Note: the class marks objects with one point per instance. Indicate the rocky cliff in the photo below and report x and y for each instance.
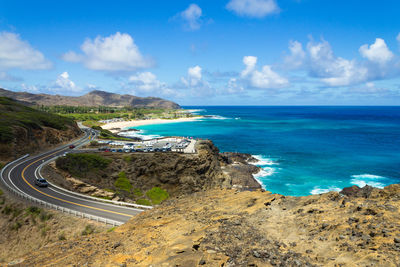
(232, 228)
(91, 99)
(178, 174)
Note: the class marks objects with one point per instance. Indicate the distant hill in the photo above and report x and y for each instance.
(92, 99)
(24, 129)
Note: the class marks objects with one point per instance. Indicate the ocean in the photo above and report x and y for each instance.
(303, 150)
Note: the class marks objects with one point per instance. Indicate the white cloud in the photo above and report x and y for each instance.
(16, 53)
(253, 8)
(377, 52)
(116, 52)
(234, 86)
(64, 84)
(146, 82)
(297, 55)
(191, 17)
(194, 77)
(398, 37)
(29, 88)
(265, 79)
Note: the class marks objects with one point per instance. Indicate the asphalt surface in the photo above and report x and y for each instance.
(21, 176)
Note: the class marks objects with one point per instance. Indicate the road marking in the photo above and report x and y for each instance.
(63, 200)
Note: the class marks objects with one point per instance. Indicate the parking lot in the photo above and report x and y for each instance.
(182, 145)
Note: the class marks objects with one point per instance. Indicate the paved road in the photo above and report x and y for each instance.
(21, 176)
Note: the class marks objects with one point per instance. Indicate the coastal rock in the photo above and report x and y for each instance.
(222, 227)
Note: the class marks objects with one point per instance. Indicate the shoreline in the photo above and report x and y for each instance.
(112, 126)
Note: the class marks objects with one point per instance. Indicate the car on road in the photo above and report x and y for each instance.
(71, 146)
(41, 182)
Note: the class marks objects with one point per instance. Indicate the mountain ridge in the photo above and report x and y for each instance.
(93, 98)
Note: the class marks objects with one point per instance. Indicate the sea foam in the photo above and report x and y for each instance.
(264, 161)
(318, 190)
(140, 134)
(362, 180)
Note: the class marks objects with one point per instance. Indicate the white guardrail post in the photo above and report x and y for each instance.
(45, 204)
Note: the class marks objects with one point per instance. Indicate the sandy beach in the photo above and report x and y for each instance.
(114, 126)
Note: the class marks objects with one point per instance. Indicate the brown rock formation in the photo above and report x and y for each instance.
(231, 228)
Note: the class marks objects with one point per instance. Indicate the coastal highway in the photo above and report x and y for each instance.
(21, 176)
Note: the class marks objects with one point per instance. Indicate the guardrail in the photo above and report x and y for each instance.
(53, 206)
(121, 203)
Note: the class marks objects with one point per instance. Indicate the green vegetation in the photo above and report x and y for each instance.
(111, 229)
(89, 229)
(38, 212)
(16, 226)
(106, 134)
(157, 195)
(1, 192)
(127, 159)
(1, 165)
(90, 116)
(137, 192)
(123, 182)
(61, 236)
(81, 164)
(14, 114)
(143, 201)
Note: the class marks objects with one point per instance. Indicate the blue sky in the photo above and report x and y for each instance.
(226, 52)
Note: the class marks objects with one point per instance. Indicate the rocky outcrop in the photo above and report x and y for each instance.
(91, 99)
(232, 228)
(177, 173)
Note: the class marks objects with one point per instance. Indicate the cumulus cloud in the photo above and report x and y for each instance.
(116, 52)
(264, 79)
(195, 82)
(334, 71)
(192, 17)
(16, 53)
(194, 77)
(297, 55)
(64, 84)
(319, 61)
(146, 83)
(29, 88)
(253, 8)
(377, 52)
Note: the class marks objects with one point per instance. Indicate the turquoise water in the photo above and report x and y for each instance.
(304, 150)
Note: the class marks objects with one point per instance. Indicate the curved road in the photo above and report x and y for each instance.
(21, 176)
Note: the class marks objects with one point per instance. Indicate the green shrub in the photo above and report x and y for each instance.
(82, 163)
(111, 229)
(157, 195)
(127, 159)
(61, 236)
(137, 192)
(16, 226)
(143, 201)
(89, 229)
(44, 216)
(33, 210)
(122, 182)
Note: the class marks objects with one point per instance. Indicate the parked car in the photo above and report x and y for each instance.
(120, 150)
(71, 146)
(41, 182)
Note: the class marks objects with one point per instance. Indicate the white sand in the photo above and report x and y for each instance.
(125, 124)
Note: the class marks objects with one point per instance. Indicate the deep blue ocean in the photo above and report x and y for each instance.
(304, 150)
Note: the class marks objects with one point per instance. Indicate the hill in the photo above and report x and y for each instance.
(24, 129)
(359, 227)
(91, 99)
